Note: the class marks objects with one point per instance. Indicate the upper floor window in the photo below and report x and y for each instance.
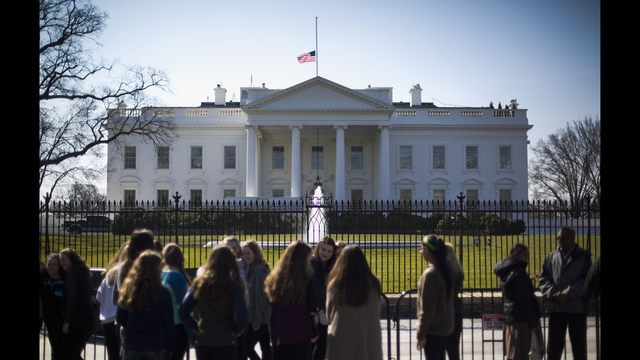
(229, 157)
(317, 157)
(471, 162)
(129, 157)
(278, 157)
(438, 157)
(163, 157)
(405, 158)
(504, 158)
(356, 158)
(196, 157)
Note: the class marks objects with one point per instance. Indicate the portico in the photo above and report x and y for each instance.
(324, 124)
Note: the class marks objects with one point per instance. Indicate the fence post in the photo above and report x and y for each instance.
(47, 198)
(177, 197)
(461, 197)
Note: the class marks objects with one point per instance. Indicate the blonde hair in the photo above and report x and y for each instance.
(453, 260)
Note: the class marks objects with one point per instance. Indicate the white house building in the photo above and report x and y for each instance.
(276, 143)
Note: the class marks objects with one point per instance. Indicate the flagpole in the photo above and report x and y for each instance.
(316, 46)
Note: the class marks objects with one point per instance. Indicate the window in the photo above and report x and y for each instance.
(356, 196)
(471, 157)
(405, 196)
(405, 157)
(504, 160)
(278, 157)
(505, 203)
(317, 157)
(129, 197)
(438, 198)
(472, 198)
(196, 157)
(163, 157)
(229, 193)
(356, 158)
(277, 193)
(196, 197)
(229, 157)
(163, 197)
(129, 157)
(438, 157)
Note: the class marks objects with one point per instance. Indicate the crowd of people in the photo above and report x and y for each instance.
(316, 303)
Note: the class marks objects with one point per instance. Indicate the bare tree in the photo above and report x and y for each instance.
(79, 113)
(566, 166)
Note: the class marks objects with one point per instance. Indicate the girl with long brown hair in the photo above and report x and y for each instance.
(291, 291)
(353, 308)
(145, 311)
(218, 296)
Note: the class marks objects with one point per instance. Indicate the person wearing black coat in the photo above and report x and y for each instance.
(521, 307)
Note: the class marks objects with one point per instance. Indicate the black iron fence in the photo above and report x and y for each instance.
(389, 233)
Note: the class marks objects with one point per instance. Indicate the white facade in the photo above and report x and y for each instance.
(361, 145)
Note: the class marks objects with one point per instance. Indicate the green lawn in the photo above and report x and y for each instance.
(397, 265)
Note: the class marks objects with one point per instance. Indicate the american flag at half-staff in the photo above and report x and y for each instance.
(307, 57)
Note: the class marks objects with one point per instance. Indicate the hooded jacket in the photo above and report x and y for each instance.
(520, 303)
(568, 277)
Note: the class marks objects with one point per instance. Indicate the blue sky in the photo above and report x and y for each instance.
(545, 54)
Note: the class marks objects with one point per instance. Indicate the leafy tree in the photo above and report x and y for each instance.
(76, 108)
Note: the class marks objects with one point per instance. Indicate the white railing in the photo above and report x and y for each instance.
(471, 113)
(405, 113)
(438, 113)
(164, 112)
(197, 112)
(503, 113)
(230, 112)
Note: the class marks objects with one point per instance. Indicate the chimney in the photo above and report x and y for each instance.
(416, 95)
(220, 95)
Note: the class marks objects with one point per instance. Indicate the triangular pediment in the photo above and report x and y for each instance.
(318, 95)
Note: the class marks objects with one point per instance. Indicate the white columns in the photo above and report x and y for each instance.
(296, 172)
(251, 189)
(384, 162)
(340, 176)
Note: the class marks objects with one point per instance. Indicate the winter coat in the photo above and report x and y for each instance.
(355, 333)
(435, 308)
(520, 303)
(258, 301)
(568, 277)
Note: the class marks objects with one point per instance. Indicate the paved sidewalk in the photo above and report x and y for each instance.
(475, 342)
